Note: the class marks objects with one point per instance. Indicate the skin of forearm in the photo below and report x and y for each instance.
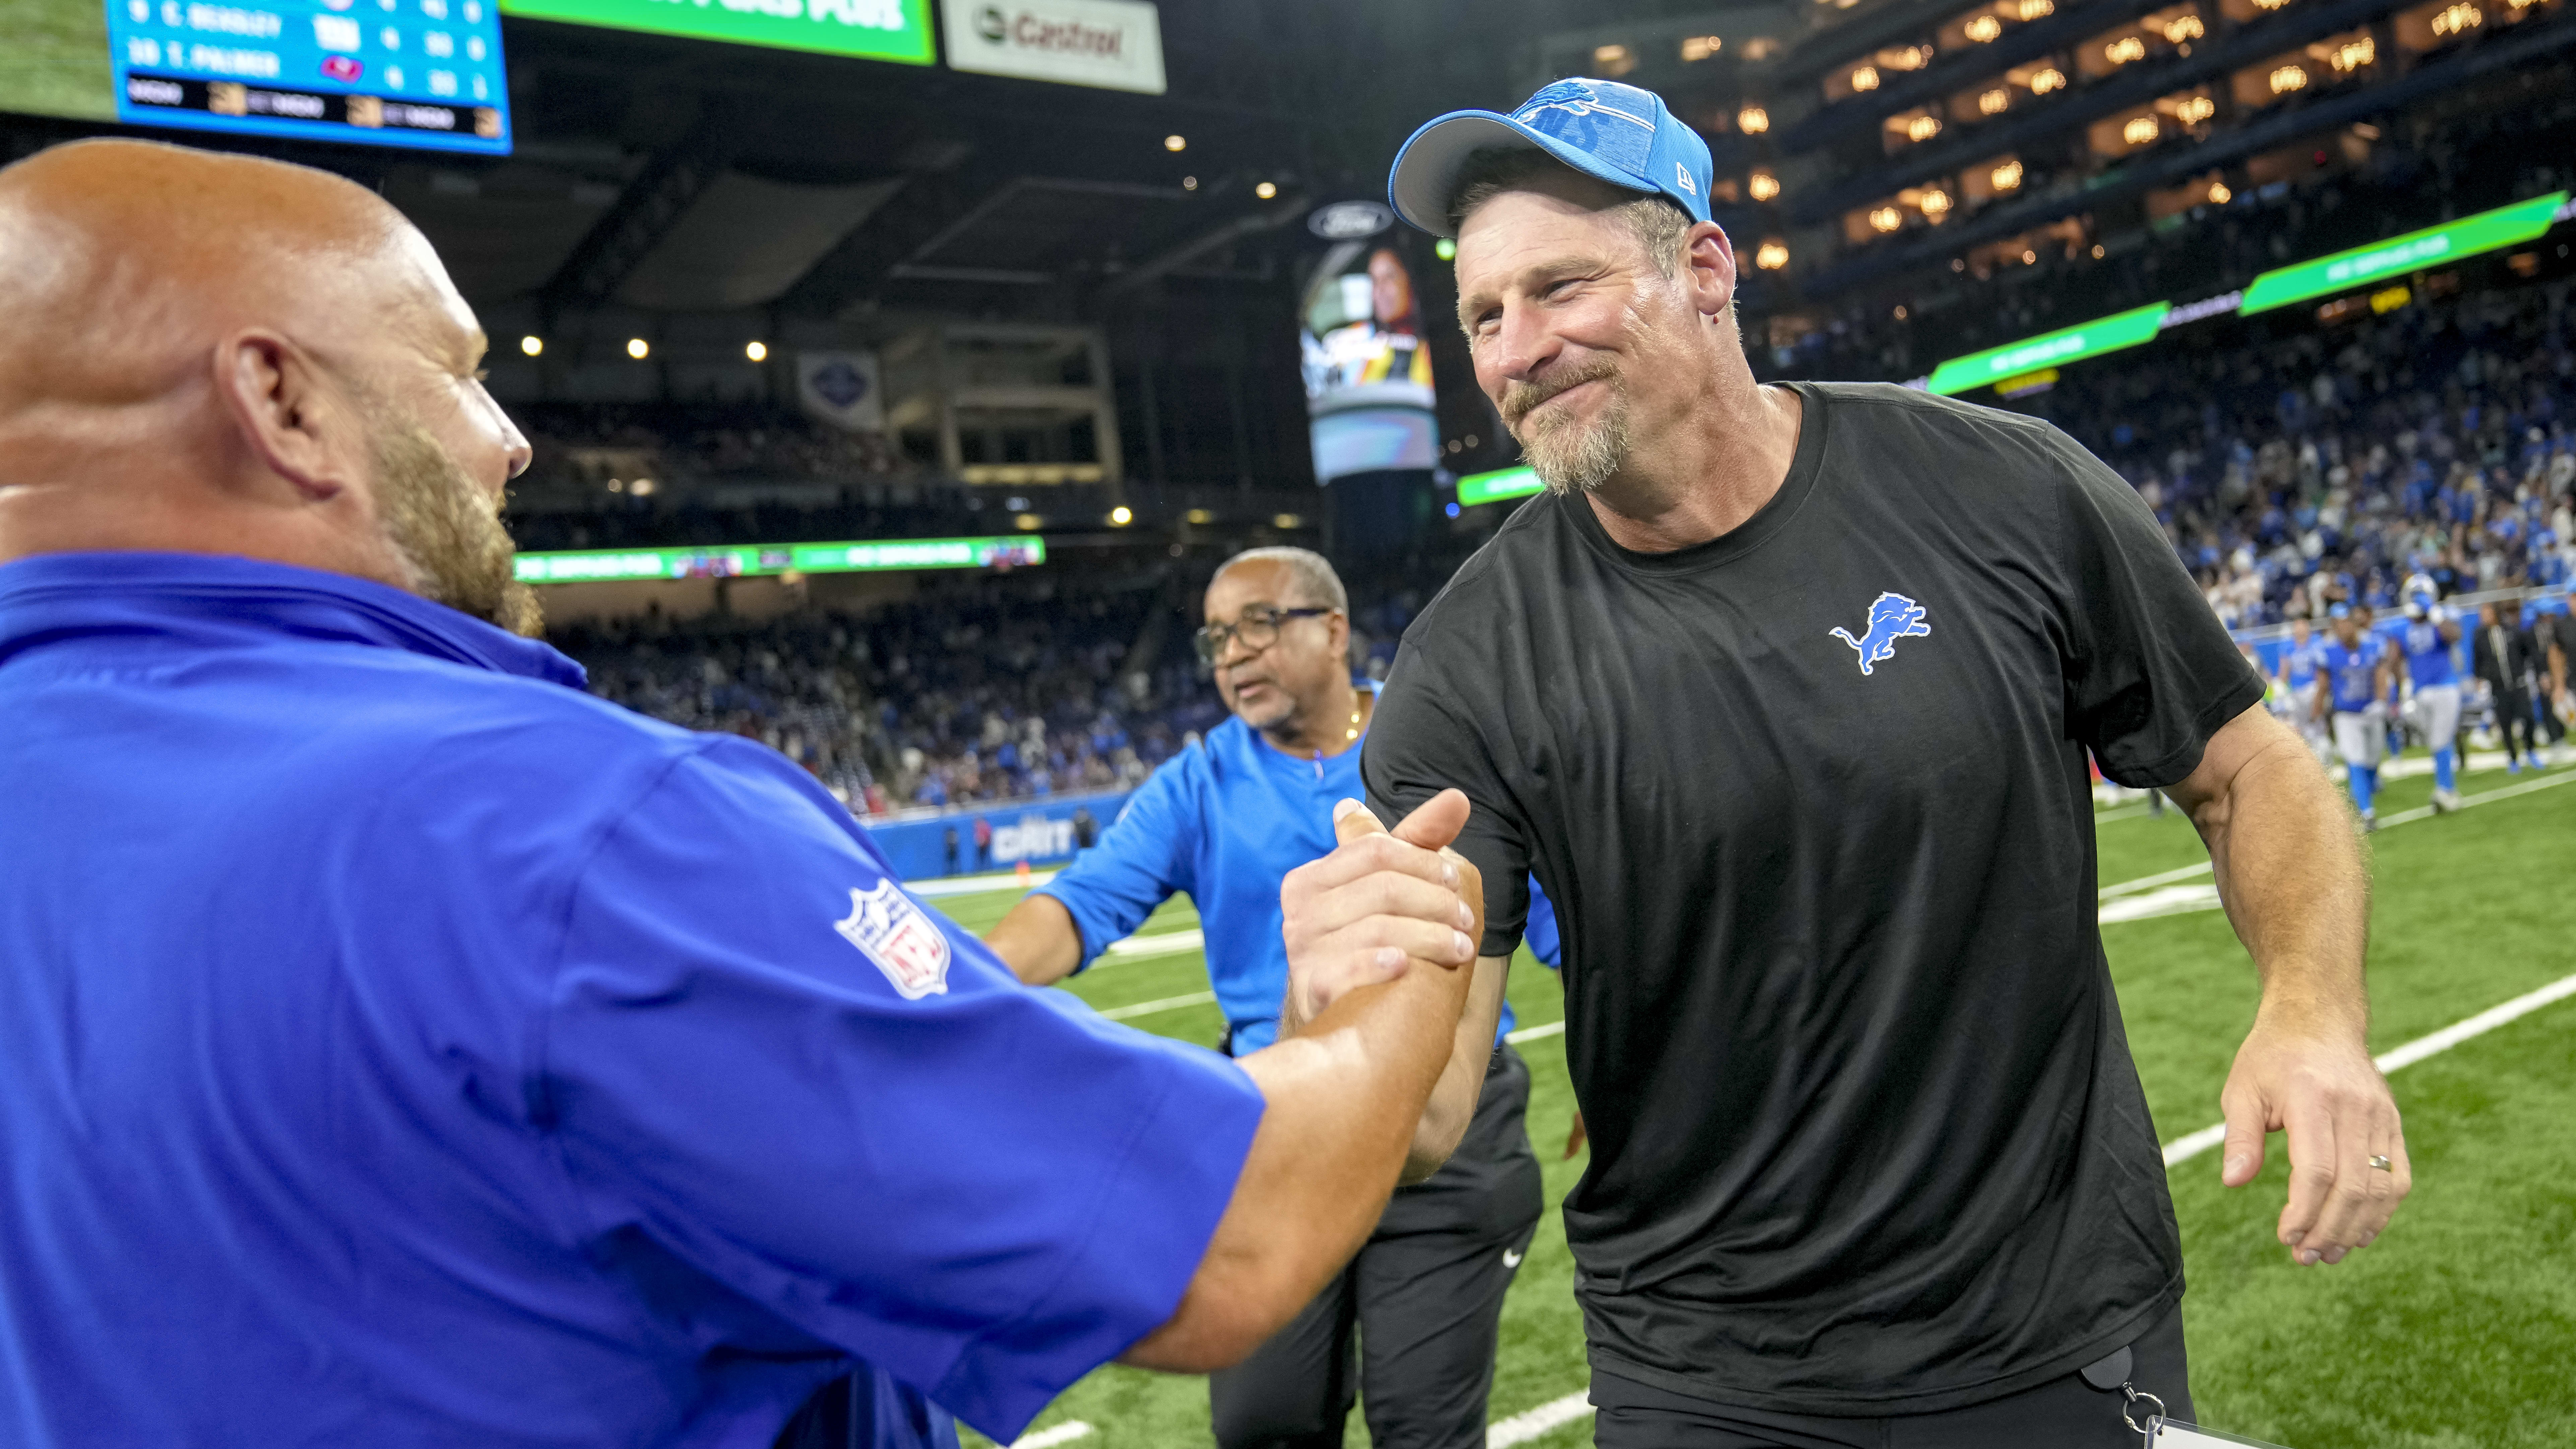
(1037, 940)
(1344, 1097)
(1453, 1102)
(2291, 873)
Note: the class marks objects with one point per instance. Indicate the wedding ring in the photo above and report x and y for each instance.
(2382, 1164)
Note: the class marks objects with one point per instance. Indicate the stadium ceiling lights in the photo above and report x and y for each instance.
(756, 560)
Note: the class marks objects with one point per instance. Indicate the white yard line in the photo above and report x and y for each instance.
(1168, 1003)
(1064, 1433)
(1533, 1033)
(976, 885)
(2183, 1149)
(2402, 817)
(1523, 1427)
(1168, 943)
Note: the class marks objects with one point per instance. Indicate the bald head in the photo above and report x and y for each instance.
(221, 354)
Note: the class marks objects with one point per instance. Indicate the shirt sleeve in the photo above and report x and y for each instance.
(1141, 859)
(2151, 673)
(768, 1061)
(1417, 746)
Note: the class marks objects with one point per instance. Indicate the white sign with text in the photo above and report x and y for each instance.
(1113, 44)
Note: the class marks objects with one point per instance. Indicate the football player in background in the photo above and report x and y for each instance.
(2358, 677)
(2427, 642)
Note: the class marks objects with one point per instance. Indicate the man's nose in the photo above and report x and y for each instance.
(1518, 348)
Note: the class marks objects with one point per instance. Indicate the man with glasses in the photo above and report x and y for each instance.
(1223, 822)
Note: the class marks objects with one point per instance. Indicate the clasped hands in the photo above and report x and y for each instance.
(1382, 903)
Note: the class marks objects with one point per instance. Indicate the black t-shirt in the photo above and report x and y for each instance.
(1811, 801)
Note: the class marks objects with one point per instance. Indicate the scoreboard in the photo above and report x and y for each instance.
(423, 73)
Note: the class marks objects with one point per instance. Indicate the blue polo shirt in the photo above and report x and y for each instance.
(399, 1046)
(1223, 822)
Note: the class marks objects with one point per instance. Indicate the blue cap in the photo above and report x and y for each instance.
(2340, 611)
(1615, 133)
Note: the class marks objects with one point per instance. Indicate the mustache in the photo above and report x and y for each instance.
(1520, 397)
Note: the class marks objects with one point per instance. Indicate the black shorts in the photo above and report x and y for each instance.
(2064, 1413)
(1414, 1318)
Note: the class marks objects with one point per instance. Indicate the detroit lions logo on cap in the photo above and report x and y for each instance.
(1891, 617)
(900, 937)
(1573, 111)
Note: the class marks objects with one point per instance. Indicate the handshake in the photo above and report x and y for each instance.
(1384, 903)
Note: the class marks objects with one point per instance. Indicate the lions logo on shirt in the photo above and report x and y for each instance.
(1891, 617)
(894, 933)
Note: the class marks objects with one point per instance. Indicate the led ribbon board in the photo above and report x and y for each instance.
(896, 30)
(753, 560)
(1496, 486)
(2049, 349)
(2485, 232)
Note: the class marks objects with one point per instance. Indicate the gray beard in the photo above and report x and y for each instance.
(1571, 460)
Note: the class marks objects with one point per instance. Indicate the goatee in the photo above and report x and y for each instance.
(448, 532)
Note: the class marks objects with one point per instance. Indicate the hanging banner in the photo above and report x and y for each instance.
(1114, 44)
(842, 389)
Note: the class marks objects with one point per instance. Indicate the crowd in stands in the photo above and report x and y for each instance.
(984, 690)
(2329, 465)
(707, 439)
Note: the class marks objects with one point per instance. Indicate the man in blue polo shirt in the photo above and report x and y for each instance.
(1221, 822)
(399, 1046)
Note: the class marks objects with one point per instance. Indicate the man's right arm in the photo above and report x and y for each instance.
(1371, 933)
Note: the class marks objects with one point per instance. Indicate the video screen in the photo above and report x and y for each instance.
(1367, 367)
(421, 73)
(895, 30)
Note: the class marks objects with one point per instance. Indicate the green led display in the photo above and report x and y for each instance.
(753, 560)
(2470, 235)
(2050, 349)
(896, 30)
(1496, 486)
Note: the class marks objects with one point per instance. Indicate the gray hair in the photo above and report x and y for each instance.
(1308, 570)
(1658, 224)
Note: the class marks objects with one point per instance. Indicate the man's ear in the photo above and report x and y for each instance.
(1708, 268)
(289, 413)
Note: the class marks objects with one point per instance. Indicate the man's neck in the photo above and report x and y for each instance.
(1330, 726)
(1705, 479)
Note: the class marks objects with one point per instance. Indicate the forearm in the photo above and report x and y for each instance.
(2290, 872)
(1462, 1082)
(1037, 940)
(1344, 1097)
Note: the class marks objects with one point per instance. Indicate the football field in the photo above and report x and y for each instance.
(2458, 1329)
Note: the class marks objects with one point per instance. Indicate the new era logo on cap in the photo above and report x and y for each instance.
(1616, 133)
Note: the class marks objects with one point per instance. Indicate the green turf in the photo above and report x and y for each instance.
(2458, 1329)
(55, 61)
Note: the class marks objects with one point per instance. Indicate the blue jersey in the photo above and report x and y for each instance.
(1540, 932)
(2429, 661)
(1223, 822)
(401, 1046)
(2353, 673)
(2299, 662)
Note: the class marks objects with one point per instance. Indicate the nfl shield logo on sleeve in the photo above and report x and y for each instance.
(904, 942)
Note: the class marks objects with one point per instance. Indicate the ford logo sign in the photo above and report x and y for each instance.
(1349, 220)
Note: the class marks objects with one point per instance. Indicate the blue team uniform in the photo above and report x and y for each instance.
(399, 1046)
(2299, 663)
(1222, 822)
(2430, 662)
(2352, 674)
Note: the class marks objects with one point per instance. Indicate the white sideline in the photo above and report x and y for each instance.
(1168, 1003)
(1064, 1433)
(976, 885)
(1168, 943)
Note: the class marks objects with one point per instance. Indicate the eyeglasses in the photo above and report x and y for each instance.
(1258, 629)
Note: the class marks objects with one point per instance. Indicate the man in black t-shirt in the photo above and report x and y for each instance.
(1784, 694)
